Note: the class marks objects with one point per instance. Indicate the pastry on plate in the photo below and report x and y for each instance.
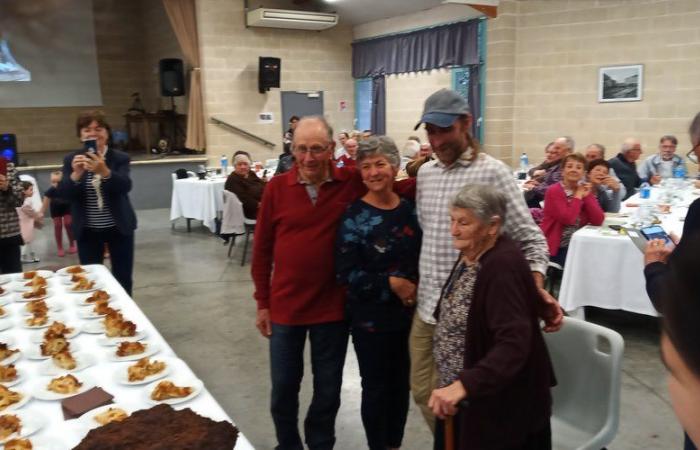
(29, 275)
(64, 360)
(2, 291)
(57, 329)
(5, 351)
(130, 348)
(19, 444)
(102, 308)
(116, 326)
(97, 296)
(66, 384)
(36, 282)
(8, 397)
(8, 373)
(53, 345)
(83, 284)
(35, 293)
(75, 269)
(9, 424)
(144, 368)
(167, 389)
(37, 320)
(37, 307)
(111, 415)
(75, 278)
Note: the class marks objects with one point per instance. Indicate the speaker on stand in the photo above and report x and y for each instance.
(268, 73)
(8, 148)
(172, 84)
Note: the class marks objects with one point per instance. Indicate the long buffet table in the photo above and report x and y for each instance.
(96, 364)
(606, 269)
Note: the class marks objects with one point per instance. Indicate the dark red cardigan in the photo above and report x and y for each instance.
(297, 239)
(507, 371)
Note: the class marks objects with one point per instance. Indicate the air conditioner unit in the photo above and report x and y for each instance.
(285, 18)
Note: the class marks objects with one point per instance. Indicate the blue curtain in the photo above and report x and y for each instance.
(378, 105)
(455, 44)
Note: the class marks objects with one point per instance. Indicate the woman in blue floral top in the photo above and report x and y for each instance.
(377, 252)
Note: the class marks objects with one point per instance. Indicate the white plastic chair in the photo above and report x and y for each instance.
(235, 223)
(587, 361)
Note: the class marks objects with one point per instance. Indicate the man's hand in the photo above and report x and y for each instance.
(262, 322)
(78, 166)
(612, 183)
(548, 309)
(656, 251)
(444, 401)
(404, 289)
(530, 184)
(4, 183)
(655, 179)
(95, 163)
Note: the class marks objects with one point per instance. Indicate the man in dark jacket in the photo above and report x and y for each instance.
(625, 165)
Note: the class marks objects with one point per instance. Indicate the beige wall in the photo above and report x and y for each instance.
(127, 41)
(311, 61)
(543, 64)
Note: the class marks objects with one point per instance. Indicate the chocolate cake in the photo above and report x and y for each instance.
(162, 428)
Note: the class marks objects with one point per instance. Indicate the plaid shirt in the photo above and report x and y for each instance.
(436, 186)
(10, 200)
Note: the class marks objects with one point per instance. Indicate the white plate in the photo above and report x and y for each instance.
(64, 272)
(34, 352)
(88, 419)
(23, 401)
(66, 281)
(52, 317)
(82, 301)
(151, 349)
(20, 298)
(20, 378)
(195, 383)
(121, 375)
(44, 443)
(53, 306)
(83, 361)
(6, 323)
(12, 358)
(88, 313)
(94, 327)
(4, 279)
(5, 295)
(109, 341)
(41, 273)
(31, 420)
(42, 393)
(18, 286)
(37, 337)
(96, 287)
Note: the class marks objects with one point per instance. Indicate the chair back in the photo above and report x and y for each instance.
(181, 173)
(232, 221)
(587, 361)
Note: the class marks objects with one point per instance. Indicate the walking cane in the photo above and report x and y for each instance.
(449, 433)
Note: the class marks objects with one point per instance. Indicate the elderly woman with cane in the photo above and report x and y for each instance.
(494, 372)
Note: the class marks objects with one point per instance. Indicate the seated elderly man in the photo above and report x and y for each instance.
(551, 159)
(625, 165)
(348, 159)
(536, 189)
(663, 164)
(425, 154)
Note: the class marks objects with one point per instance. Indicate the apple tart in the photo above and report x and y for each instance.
(83, 284)
(111, 415)
(9, 424)
(130, 348)
(37, 320)
(144, 368)
(8, 397)
(19, 444)
(167, 389)
(66, 384)
(75, 269)
(97, 296)
(116, 326)
(54, 345)
(57, 329)
(64, 360)
(5, 351)
(38, 292)
(8, 373)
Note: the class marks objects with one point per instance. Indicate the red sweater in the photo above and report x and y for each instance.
(297, 238)
(560, 212)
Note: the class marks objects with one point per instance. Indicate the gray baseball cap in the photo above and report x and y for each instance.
(442, 108)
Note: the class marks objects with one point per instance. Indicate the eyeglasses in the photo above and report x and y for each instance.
(315, 150)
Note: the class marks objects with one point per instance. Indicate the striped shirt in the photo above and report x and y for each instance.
(436, 186)
(96, 217)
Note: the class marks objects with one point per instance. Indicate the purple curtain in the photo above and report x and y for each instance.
(456, 44)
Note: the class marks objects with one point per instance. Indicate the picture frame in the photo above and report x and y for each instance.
(620, 83)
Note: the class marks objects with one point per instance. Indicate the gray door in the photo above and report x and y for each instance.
(300, 104)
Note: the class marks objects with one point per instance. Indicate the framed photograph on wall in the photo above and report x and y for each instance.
(620, 83)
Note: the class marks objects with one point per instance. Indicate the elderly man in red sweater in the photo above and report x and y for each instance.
(295, 236)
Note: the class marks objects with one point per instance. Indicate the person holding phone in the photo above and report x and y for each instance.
(96, 182)
(11, 197)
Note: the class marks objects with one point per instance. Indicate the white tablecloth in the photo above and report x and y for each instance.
(606, 270)
(66, 434)
(197, 199)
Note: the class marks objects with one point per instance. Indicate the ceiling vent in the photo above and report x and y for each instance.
(285, 18)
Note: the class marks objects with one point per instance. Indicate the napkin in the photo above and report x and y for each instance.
(78, 405)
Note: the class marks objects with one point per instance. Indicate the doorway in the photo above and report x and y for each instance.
(300, 104)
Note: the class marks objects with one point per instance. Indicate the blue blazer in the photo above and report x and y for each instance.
(115, 189)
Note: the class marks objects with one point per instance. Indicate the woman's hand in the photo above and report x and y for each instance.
(444, 401)
(612, 183)
(95, 163)
(404, 289)
(583, 190)
(78, 166)
(656, 251)
(538, 173)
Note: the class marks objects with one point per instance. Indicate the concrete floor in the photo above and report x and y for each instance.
(202, 304)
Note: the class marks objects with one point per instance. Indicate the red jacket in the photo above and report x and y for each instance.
(560, 212)
(297, 239)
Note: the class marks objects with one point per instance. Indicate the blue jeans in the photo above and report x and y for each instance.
(329, 343)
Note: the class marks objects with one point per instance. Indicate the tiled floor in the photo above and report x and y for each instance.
(202, 303)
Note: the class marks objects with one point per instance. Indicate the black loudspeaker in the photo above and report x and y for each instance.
(8, 148)
(268, 73)
(172, 78)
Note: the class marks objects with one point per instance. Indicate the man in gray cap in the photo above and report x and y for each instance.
(459, 162)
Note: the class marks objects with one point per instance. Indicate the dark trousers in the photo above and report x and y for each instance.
(329, 343)
(688, 444)
(91, 247)
(10, 260)
(540, 440)
(384, 368)
(560, 257)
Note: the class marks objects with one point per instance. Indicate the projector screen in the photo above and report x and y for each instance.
(48, 59)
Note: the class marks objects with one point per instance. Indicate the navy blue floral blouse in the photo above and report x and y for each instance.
(372, 245)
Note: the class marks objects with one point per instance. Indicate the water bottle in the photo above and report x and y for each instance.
(644, 191)
(524, 163)
(224, 165)
(679, 172)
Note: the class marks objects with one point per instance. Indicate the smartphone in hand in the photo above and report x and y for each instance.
(90, 146)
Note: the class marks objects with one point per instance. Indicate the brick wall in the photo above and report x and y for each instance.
(229, 51)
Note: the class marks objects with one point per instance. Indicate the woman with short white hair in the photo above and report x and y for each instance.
(246, 185)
